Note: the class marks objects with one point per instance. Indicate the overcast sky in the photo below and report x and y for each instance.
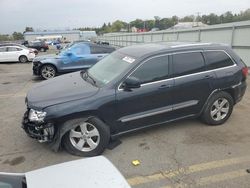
(15, 15)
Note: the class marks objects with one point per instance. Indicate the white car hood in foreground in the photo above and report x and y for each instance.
(95, 172)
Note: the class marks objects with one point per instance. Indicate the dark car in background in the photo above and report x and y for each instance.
(133, 88)
(77, 57)
(38, 45)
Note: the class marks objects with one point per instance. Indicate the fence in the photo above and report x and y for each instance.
(236, 34)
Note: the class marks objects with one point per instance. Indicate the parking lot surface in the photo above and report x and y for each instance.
(181, 154)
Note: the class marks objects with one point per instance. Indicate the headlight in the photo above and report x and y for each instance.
(37, 116)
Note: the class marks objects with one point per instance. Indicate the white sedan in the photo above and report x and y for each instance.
(15, 54)
(94, 172)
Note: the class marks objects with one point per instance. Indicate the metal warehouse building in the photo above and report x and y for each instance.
(63, 35)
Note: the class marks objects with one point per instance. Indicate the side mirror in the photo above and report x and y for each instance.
(69, 54)
(131, 83)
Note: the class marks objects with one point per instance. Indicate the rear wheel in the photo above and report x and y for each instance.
(42, 50)
(89, 138)
(48, 72)
(219, 109)
(23, 59)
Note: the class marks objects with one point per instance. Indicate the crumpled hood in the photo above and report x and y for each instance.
(46, 57)
(61, 89)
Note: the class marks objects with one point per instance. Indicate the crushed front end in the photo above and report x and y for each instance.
(40, 130)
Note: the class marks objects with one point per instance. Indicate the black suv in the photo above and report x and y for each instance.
(134, 88)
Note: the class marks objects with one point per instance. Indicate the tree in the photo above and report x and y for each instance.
(157, 21)
(17, 36)
(188, 19)
(117, 26)
(4, 37)
(138, 23)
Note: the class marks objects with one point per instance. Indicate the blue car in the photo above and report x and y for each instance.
(77, 57)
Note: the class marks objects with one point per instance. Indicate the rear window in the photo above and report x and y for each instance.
(188, 63)
(217, 59)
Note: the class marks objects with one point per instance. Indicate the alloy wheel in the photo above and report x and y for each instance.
(85, 137)
(219, 109)
(48, 72)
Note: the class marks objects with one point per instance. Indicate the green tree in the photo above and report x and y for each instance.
(17, 36)
(117, 26)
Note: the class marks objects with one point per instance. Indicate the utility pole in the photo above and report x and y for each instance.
(197, 21)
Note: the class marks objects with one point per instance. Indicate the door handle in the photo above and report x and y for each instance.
(99, 56)
(165, 86)
(208, 76)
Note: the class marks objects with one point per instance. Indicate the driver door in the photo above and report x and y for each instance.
(76, 58)
(152, 102)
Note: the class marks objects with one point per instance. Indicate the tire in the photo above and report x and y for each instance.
(48, 72)
(23, 59)
(42, 50)
(218, 109)
(80, 146)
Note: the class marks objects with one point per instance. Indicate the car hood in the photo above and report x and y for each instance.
(61, 89)
(84, 173)
(46, 57)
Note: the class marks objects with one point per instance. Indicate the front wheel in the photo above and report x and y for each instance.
(88, 138)
(48, 72)
(219, 109)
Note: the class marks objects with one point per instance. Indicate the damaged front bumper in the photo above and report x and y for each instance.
(41, 131)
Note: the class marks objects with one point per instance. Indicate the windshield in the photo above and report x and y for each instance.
(110, 67)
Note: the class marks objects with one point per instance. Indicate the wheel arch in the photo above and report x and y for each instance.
(230, 91)
(44, 64)
(67, 123)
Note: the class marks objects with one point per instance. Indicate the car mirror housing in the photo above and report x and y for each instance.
(69, 53)
(131, 83)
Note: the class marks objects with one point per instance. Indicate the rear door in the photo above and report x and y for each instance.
(193, 83)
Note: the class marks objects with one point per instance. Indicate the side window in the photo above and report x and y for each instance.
(188, 63)
(79, 50)
(217, 59)
(12, 49)
(97, 49)
(3, 49)
(152, 70)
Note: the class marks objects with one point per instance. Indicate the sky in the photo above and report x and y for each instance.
(15, 15)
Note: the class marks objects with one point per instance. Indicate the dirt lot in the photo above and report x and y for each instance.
(182, 154)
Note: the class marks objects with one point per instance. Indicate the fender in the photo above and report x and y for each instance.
(64, 128)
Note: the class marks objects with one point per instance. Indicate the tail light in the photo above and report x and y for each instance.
(245, 71)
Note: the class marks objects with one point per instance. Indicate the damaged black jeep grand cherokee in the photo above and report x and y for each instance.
(134, 88)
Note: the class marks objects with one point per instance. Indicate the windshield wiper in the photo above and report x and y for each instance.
(88, 76)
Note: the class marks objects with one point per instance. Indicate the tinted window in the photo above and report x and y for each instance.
(12, 49)
(3, 49)
(188, 63)
(153, 70)
(97, 50)
(80, 49)
(217, 59)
